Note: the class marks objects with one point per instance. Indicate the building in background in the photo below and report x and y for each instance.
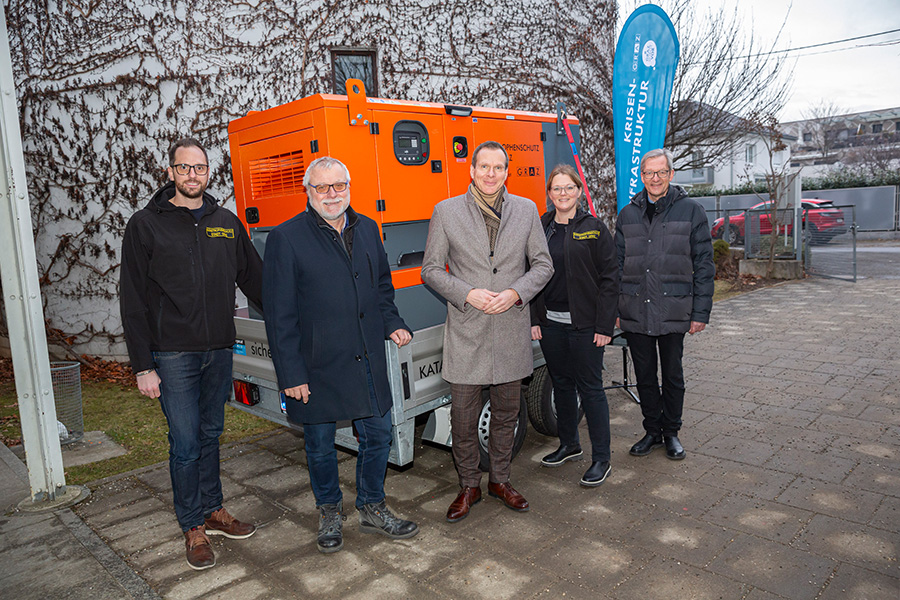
(868, 141)
(714, 165)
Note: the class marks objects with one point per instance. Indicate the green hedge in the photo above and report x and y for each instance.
(848, 178)
(833, 180)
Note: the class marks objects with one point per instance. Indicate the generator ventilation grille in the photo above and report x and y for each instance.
(280, 175)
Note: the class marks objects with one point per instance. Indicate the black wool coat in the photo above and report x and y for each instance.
(326, 312)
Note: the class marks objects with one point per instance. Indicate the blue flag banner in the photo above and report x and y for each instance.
(643, 71)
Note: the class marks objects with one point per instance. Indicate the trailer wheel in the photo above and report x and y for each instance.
(484, 427)
(542, 403)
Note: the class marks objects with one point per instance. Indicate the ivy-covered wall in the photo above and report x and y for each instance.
(105, 86)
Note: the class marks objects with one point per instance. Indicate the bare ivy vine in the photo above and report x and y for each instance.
(104, 87)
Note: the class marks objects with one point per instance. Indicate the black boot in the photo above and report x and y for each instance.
(646, 445)
(596, 474)
(330, 537)
(561, 455)
(674, 450)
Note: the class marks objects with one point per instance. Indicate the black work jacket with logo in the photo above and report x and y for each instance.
(178, 278)
(591, 273)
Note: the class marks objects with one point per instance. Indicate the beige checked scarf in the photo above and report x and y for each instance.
(490, 207)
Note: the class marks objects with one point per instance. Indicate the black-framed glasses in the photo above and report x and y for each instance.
(184, 169)
(323, 188)
(662, 174)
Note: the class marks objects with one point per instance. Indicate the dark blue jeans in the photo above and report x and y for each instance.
(661, 409)
(576, 364)
(371, 463)
(194, 387)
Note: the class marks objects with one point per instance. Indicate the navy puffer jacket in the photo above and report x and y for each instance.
(666, 267)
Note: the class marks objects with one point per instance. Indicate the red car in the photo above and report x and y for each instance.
(821, 217)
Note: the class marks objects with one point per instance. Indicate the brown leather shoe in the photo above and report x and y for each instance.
(459, 508)
(199, 551)
(222, 523)
(510, 496)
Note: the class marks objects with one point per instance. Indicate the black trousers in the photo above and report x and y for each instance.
(661, 410)
(575, 363)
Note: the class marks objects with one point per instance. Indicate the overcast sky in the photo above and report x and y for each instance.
(855, 79)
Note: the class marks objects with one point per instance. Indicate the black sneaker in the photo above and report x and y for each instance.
(561, 455)
(378, 518)
(330, 537)
(596, 474)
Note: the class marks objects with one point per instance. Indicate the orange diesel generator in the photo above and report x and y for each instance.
(404, 157)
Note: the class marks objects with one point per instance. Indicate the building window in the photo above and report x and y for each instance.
(897, 126)
(751, 153)
(355, 64)
(698, 171)
(877, 127)
(807, 137)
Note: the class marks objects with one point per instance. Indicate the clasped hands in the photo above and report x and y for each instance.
(492, 303)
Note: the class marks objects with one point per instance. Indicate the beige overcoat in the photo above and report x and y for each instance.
(479, 348)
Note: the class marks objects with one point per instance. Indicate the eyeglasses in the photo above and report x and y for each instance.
(569, 189)
(653, 174)
(323, 188)
(183, 169)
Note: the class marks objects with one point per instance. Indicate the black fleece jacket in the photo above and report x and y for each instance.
(591, 274)
(178, 275)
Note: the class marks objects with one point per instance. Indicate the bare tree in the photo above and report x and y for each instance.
(778, 179)
(874, 159)
(726, 74)
(821, 119)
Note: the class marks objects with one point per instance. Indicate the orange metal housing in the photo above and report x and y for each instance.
(270, 151)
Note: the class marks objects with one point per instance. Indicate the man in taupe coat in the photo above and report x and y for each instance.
(498, 261)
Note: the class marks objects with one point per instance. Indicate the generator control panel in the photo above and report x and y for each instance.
(411, 142)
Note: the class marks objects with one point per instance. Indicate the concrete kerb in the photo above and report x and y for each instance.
(106, 561)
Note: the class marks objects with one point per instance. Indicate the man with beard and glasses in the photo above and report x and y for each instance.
(182, 255)
(329, 305)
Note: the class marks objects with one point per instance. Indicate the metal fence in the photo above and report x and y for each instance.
(827, 246)
(877, 208)
(759, 227)
(752, 229)
(832, 254)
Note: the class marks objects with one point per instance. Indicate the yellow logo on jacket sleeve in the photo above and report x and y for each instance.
(593, 234)
(219, 232)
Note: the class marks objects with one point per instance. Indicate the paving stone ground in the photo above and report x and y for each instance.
(790, 490)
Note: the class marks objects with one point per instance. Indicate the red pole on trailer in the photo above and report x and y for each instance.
(587, 193)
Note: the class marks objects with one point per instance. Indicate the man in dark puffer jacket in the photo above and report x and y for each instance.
(666, 273)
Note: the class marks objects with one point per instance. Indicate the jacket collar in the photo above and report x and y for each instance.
(352, 218)
(673, 195)
(547, 219)
(161, 201)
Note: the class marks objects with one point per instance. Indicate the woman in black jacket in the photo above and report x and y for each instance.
(573, 317)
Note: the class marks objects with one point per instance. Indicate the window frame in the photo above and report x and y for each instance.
(341, 51)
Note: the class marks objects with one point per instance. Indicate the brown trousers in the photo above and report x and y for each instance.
(464, 411)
